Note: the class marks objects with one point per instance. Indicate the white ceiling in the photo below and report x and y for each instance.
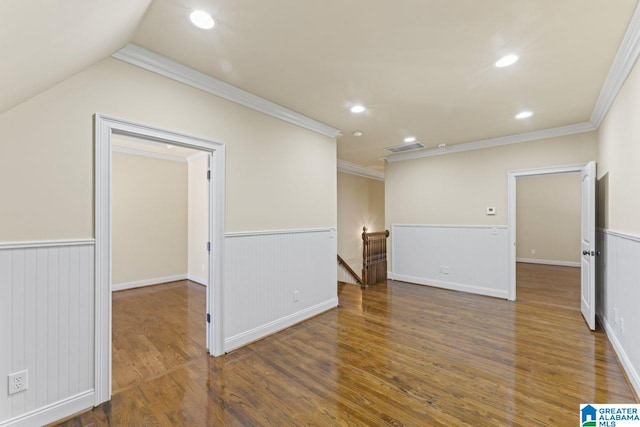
(422, 67)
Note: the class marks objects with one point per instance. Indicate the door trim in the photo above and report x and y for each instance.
(511, 211)
(104, 128)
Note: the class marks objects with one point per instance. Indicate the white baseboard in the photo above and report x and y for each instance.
(53, 412)
(549, 262)
(262, 331)
(390, 275)
(632, 374)
(147, 282)
(200, 280)
(498, 293)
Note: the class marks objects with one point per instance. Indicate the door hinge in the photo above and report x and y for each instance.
(208, 318)
(208, 246)
(209, 175)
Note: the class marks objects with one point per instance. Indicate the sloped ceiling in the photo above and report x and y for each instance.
(422, 68)
(42, 42)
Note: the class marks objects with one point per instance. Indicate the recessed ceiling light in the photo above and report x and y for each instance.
(202, 19)
(410, 139)
(505, 61)
(524, 115)
(358, 109)
(358, 133)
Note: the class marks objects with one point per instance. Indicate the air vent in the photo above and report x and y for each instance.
(405, 147)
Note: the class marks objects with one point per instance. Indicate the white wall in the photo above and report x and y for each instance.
(198, 217)
(278, 177)
(149, 214)
(618, 214)
(548, 219)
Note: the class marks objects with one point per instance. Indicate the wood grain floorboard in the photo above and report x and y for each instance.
(395, 354)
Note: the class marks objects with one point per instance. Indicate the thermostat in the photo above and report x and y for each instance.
(491, 211)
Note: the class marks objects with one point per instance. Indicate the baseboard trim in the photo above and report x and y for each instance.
(628, 367)
(53, 412)
(262, 331)
(199, 280)
(147, 282)
(548, 262)
(390, 275)
(452, 286)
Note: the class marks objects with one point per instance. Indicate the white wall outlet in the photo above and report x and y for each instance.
(202, 267)
(18, 381)
(491, 210)
(296, 296)
(533, 251)
(445, 269)
(621, 325)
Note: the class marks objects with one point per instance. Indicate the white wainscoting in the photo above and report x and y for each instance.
(477, 257)
(261, 272)
(46, 327)
(618, 297)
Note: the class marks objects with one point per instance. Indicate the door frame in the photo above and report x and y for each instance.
(104, 128)
(511, 211)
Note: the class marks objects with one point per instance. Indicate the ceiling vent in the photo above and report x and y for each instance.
(405, 147)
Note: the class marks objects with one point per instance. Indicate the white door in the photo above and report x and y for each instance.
(588, 246)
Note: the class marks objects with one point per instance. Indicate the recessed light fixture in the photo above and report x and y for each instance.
(505, 61)
(524, 115)
(202, 19)
(442, 145)
(357, 109)
(410, 139)
(358, 133)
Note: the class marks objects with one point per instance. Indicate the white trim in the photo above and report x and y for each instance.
(511, 211)
(105, 127)
(156, 63)
(390, 275)
(53, 412)
(353, 169)
(496, 142)
(549, 262)
(147, 282)
(274, 232)
(453, 286)
(620, 234)
(196, 156)
(628, 367)
(199, 280)
(262, 331)
(448, 226)
(46, 244)
(143, 153)
(621, 67)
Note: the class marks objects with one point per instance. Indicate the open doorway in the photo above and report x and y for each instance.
(108, 130)
(159, 212)
(587, 250)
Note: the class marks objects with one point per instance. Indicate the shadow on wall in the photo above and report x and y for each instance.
(602, 201)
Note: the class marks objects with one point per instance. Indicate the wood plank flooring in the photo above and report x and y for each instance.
(396, 354)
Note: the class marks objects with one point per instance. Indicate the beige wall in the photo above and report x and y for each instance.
(198, 216)
(618, 160)
(548, 217)
(360, 203)
(46, 154)
(149, 209)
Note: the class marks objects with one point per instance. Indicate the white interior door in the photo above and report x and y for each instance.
(588, 246)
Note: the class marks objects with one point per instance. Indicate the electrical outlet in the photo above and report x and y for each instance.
(18, 382)
(533, 251)
(445, 269)
(202, 267)
(621, 325)
(296, 296)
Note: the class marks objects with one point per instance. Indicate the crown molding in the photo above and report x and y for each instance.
(353, 169)
(137, 152)
(623, 63)
(496, 142)
(156, 63)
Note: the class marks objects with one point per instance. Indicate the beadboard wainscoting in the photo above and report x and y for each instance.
(262, 273)
(463, 258)
(46, 328)
(618, 297)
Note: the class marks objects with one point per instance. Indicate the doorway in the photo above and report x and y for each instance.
(587, 231)
(107, 128)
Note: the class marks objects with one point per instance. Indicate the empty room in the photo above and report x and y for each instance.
(373, 236)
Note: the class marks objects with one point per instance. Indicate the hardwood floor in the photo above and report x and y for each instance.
(396, 354)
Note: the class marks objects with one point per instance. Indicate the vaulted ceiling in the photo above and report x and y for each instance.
(422, 68)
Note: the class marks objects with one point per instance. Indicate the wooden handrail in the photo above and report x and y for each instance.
(374, 256)
(349, 269)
